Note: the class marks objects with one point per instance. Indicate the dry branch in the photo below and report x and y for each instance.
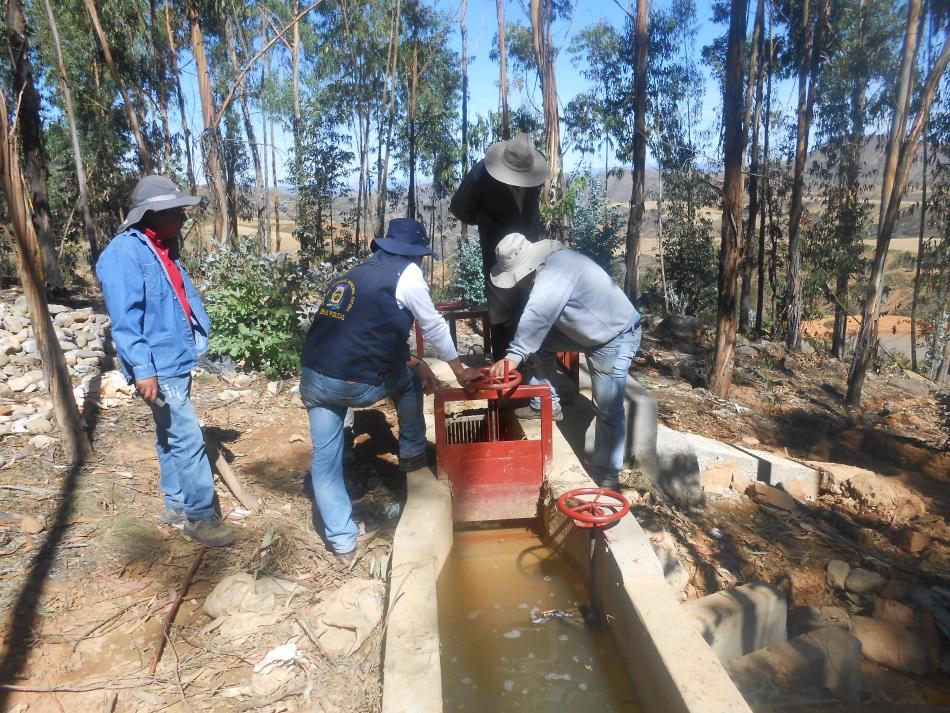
(173, 612)
(220, 464)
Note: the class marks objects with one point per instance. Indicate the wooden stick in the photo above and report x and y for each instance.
(227, 474)
(172, 613)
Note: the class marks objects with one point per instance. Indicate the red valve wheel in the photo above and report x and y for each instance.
(607, 507)
(487, 382)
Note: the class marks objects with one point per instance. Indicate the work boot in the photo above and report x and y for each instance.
(611, 482)
(532, 414)
(173, 517)
(210, 533)
(408, 465)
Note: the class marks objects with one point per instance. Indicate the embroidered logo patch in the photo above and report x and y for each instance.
(339, 300)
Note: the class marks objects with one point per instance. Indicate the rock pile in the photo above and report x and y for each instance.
(84, 337)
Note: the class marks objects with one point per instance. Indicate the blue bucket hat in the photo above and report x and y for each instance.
(406, 237)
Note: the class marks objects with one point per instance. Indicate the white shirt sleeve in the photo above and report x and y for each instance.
(412, 293)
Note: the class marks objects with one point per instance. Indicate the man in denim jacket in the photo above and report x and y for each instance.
(160, 328)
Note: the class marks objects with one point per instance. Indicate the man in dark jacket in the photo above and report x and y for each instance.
(357, 353)
(501, 195)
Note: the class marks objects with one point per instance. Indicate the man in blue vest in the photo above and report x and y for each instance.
(357, 353)
(160, 327)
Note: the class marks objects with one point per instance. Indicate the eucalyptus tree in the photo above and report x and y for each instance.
(902, 145)
(860, 57)
(29, 129)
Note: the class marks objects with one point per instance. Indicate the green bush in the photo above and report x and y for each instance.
(467, 278)
(258, 305)
(596, 230)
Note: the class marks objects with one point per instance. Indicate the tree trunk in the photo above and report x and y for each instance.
(55, 372)
(544, 56)
(807, 77)
(944, 368)
(393, 66)
(733, 143)
(145, 153)
(503, 78)
(906, 148)
(631, 283)
(273, 164)
(295, 63)
(756, 65)
(413, 98)
(231, 41)
(31, 137)
(89, 220)
(767, 186)
(921, 248)
(162, 88)
(210, 139)
(186, 133)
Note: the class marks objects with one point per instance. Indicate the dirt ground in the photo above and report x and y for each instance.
(84, 599)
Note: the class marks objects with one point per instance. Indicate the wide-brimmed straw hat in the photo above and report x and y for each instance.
(516, 162)
(406, 237)
(155, 193)
(516, 258)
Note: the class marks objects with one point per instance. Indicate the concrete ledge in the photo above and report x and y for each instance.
(673, 669)
(412, 670)
(740, 620)
(797, 479)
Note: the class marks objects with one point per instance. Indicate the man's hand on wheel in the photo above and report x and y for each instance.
(498, 370)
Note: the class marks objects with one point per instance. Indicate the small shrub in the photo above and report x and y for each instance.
(467, 278)
(256, 302)
(596, 230)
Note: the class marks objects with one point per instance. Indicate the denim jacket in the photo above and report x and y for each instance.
(151, 332)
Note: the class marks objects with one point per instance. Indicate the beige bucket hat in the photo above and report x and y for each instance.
(516, 258)
(516, 162)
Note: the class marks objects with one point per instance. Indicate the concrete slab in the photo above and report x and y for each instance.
(412, 671)
(827, 659)
(797, 479)
(740, 620)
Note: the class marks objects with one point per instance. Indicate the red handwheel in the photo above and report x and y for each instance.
(487, 382)
(606, 507)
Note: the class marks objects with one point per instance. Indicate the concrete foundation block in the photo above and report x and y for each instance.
(642, 418)
(798, 480)
(828, 659)
(741, 620)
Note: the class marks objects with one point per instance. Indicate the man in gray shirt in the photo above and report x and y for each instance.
(572, 304)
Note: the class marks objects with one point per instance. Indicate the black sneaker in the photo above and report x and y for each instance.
(210, 533)
(174, 518)
(532, 414)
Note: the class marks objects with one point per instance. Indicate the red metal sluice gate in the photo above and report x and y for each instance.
(494, 470)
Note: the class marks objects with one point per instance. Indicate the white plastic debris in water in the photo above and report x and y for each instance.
(513, 634)
(508, 685)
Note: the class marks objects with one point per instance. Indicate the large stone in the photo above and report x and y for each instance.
(39, 425)
(682, 332)
(4, 359)
(912, 541)
(58, 309)
(10, 345)
(63, 319)
(892, 646)
(871, 489)
(29, 346)
(894, 612)
(863, 581)
(767, 495)
(14, 324)
(837, 573)
(828, 659)
(42, 442)
(894, 589)
(19, 383)
(803, 620)
(740, 620)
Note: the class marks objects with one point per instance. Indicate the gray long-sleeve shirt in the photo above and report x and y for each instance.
(575, 296)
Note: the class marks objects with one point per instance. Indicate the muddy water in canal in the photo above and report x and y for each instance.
(513, 632)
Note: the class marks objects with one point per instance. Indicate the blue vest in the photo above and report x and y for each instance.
(360, 332)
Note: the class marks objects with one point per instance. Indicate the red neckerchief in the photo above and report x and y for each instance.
(164, 249)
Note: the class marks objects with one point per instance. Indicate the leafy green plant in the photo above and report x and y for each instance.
(596, 230)
(467, 278)
(256, 302)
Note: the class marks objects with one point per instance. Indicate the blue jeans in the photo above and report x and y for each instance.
(608, 364)
(327, 400)
(186, 480)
